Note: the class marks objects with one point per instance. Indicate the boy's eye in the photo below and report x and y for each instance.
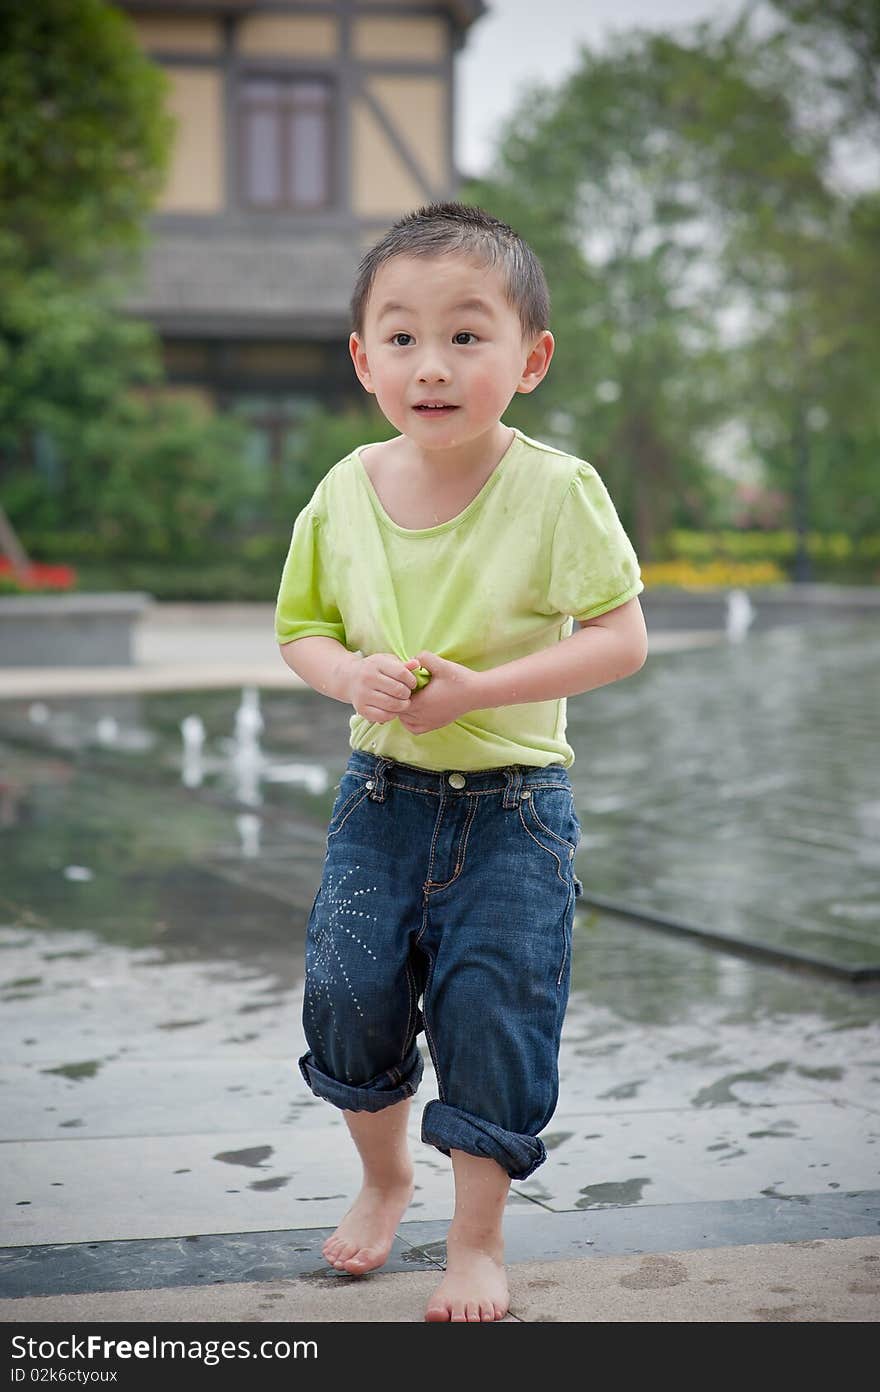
(464, 334)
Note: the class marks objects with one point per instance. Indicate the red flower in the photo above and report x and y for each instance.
(36, 576)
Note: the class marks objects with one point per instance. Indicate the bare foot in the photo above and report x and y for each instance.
(365, 1236)
(475, 1285)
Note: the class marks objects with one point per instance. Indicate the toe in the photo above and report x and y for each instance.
(472, 1311)
(487, 1310)
(361, 1256)
(500, 1311)
(365, 1259)
(437, 1313)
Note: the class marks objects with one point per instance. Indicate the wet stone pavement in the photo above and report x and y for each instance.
(152, 914)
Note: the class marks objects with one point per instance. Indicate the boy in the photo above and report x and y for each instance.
(430, 584)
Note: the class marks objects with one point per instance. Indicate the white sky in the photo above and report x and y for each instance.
(522, 41)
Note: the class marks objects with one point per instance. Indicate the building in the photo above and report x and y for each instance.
(304, 127)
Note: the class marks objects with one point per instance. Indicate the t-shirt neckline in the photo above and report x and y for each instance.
(475, 502)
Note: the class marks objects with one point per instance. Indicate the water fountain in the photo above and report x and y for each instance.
(248, 826)
(192, 727)
(107, 729)
(247, 759)
(740, 615)
(243, 756)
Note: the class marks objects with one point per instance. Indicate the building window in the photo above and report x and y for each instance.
(285, 142)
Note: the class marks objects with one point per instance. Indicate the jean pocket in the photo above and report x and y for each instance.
(552, 812)
(352, 791)
(548, 815)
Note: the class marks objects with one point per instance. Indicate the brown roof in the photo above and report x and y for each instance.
(464, 12)
(248, 284)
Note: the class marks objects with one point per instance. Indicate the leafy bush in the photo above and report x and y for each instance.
(715, 575)
(835, 555)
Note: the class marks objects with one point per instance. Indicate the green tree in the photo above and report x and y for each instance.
(693, 238)
(84, 148)
(84, 144)
(810, 368)
(84, 140)
(840, 43)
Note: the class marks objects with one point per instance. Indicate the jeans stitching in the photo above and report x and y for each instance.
(564, 936)
(471, 792)
(357, 797)
(428, 1035)
(546, 849)
(437, 822)
(413, 997)
(431, 886)
(554, 834)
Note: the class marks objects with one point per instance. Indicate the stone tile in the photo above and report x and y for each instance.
(89, 1190)
(725, 1058)
(162, 1263)
(603, 1159)
(792, 1282)
(533, 1233)
(828, 1281)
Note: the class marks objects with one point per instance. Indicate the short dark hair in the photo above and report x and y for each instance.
(438, 229)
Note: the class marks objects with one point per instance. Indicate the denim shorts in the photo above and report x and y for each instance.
(446, 904)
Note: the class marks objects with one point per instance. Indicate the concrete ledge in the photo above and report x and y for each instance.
(32, 683)
(531, 1233)
(833, 1280)
(78, 630)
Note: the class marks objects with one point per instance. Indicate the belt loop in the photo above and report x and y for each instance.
(513, 774)
(377, 792)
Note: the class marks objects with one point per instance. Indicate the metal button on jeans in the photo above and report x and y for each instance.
(457, 780)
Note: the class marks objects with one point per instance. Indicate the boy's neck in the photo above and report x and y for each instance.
(475, 456)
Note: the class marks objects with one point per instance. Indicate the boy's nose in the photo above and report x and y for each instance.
(433, 371)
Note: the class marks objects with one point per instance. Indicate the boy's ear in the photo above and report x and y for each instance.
(361, 366)
(537, 362)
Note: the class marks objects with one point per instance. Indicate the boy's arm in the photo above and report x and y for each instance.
(324, 664)
(600, 651)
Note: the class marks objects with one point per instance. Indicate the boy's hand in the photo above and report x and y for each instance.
(449, 694)
(381, 686)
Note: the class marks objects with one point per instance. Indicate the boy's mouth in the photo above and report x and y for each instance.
(434, 408)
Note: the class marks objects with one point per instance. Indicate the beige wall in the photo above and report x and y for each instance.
(178, 33)
(288, 36)
(416, 107)
(195, 182)
(200, 398)
(410, 4)
(381, 183)
(425, 39)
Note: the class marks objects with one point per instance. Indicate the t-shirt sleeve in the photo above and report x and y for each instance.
(593, 567)
(306, 606)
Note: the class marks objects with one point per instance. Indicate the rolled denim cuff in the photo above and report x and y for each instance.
(449, 1128)
(382, 1091)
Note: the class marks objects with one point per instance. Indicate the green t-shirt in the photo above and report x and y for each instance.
(539, 543)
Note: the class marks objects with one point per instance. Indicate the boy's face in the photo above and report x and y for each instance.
(440, 329)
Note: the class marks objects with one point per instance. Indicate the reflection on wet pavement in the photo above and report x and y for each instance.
(153, 928)
(758, 814)
(724, 786)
